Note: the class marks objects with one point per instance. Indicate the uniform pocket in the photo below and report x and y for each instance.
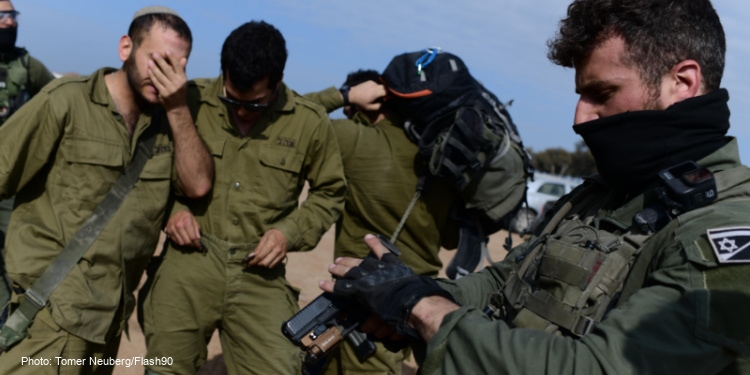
(281, 157)
(158, 167)
(279, 181)
(91, 151)
(216, 147)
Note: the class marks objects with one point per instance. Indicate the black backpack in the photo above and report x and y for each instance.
(468, 137)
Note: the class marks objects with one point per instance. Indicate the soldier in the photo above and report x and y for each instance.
(61, 153)
(21, 77)
(225, 264)
(642, 269)
(382, 168)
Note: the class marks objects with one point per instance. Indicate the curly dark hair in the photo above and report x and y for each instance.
(141, 26)
(658, 34)
(252, 52)
(362, 75)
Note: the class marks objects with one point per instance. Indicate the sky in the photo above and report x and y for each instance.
(503, 42)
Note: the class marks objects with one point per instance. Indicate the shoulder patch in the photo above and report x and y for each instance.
(731, 245)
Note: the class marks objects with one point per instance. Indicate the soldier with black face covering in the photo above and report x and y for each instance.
(21, 76)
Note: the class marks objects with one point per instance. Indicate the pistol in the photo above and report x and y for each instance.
(324, 323)
(327, 320)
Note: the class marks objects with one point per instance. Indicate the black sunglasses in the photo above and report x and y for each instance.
(248, 106)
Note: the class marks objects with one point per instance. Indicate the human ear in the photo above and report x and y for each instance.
(125, 47)
(685, 80)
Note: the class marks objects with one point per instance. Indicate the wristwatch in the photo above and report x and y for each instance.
(344, 90)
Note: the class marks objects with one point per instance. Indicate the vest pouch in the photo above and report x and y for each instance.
(574, 281)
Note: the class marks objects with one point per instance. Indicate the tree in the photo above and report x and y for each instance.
(559, 161)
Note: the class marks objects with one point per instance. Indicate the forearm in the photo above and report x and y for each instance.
(427, 315)
(305, 226)
(329, 98)
(325, 197)
(477, 288)
(195, 169)
(653, 333)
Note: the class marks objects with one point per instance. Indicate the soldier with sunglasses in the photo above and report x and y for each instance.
(224, 266)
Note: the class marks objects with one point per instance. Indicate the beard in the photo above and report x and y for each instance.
(653, 102)
(134, 83)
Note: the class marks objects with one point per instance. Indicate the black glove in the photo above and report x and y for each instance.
(389, 289)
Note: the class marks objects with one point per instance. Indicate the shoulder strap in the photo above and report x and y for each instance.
(36, 297)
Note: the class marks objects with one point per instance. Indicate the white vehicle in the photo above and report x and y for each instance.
(543, 189)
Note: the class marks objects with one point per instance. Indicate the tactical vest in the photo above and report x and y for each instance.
(568, 280)
(14, 82)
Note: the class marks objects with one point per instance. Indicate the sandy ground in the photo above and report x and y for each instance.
(303, 270)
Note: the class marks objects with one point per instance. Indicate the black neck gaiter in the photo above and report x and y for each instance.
(631, 148)
(8, 39)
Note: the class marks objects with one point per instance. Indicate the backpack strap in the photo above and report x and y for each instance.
(36, 297)
(421, 187)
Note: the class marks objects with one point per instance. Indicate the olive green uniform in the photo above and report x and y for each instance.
(259, 178)
(24, 73)
(60, 155)
(687, 313)
(382, 172)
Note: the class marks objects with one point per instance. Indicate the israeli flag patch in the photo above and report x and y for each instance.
(731, 245)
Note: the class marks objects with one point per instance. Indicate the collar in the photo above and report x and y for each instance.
(724, 158)
(98, 88)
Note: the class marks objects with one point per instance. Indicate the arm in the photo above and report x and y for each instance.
(195, 170)
(367, 95)
(39, 76)
(658, 330)
(182, 228)
(329, 98)
(325, 197)
(671, 326)
(28, 141)
(302, 229)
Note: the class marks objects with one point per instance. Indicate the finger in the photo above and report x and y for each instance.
(157, 77)
(180, 237)
(375, 106)
(338, 270)
(375, 245)
(164, 63)
(272, 259)
(326, 285)
(196, 228)
(348, 262)
(248, 261)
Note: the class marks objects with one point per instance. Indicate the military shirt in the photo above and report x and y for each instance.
(687, 316)
(60, 154)
(259, 177)
(382, 170)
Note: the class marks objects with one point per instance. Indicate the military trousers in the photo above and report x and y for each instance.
(48, 350)
(343, 361)
(194, 293)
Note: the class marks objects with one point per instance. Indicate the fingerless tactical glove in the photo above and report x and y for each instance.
(389, 289)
